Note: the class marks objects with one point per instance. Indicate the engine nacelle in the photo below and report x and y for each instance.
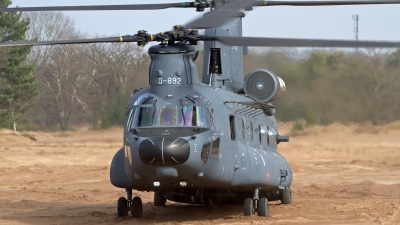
(263, 86)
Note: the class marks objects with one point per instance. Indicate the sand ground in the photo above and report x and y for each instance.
(342, 175)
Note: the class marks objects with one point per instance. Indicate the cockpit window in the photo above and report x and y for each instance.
(144, 99)
(168, 116)
(130, 118)
(183, 116)
(192, 116)
(197, 98)
(147, 116)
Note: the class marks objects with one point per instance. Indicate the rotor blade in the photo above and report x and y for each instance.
(217, 17)
(79, 41)
(101, 7)
(324, 3)
(287, 42)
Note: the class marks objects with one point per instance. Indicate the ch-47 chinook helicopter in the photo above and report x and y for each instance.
(209, 142)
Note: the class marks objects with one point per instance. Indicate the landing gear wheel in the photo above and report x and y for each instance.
(122, 207)
(248, 207)
(263, 209)
(286, 196)
(159, 199)
(137, 209)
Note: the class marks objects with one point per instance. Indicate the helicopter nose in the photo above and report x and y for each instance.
(164, 151)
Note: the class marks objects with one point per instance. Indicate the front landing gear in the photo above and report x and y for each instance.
(263, 209)
(122, 207)
(248, 207)
(256, 205)
(128, 204)
(137, 209)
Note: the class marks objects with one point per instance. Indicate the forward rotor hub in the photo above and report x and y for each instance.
(178, 34)
(201, 5)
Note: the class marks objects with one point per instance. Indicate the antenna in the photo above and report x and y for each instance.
(355, 27)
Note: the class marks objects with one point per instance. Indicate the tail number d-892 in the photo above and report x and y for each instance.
(170, 80)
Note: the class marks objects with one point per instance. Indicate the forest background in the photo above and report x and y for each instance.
(89, 85)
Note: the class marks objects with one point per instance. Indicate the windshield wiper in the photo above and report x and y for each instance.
(183, 114)
(190, 99)
(155, 110)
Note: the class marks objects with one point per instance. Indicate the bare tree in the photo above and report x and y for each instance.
(59, 68)
(119, 61)
(66, 83)
(115, 68)
(46, 26)
(78, 79)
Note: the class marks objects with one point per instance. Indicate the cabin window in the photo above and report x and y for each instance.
(243, 129)
(215, 146)
(251, 131)
(210, 148)
(192, 116)
(147, 116)
(128, 153)
(232, 126)
(271, 137)
(168, 116)
(263, 134)
(206, 150)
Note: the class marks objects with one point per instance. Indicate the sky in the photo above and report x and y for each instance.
(377, 22)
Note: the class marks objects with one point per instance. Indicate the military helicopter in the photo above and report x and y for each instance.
(209, 142)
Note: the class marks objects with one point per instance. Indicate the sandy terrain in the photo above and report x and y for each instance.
(342, 175)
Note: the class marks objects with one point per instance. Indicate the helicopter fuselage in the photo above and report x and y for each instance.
(185, 137)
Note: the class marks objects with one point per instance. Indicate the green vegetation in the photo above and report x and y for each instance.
(327, 87)
(114, 112)
(298, 126)
(18, 87)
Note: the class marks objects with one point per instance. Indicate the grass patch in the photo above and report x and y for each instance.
(28, 135)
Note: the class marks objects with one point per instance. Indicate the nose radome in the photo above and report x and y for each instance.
(164, 151)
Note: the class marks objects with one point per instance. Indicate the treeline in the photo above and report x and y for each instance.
(84, 84)
(336, 86)
(90, 84)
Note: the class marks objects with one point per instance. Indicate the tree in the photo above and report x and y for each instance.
(120, 61)
(17, 84)
(78, 80)
(47, 26)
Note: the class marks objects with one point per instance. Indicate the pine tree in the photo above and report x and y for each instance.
(18, 87)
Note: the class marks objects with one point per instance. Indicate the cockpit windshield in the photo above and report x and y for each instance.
(193, 116)
(181, 116)
(168, 116)
(146, 116)
(190, 112)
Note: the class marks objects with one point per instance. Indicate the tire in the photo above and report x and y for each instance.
(159, 199)
(286, 196)
(137, 209)
(263, 209)
(122, 207)
(248, 207)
